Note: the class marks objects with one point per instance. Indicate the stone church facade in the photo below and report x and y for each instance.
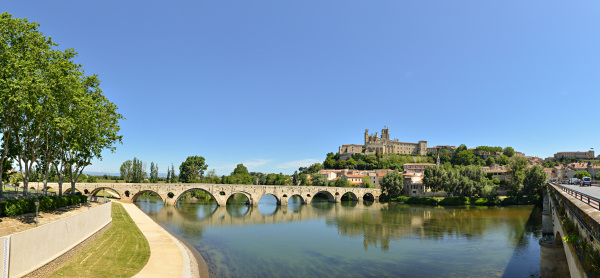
(374, 143)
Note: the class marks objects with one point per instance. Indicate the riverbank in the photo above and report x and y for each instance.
(464, 201)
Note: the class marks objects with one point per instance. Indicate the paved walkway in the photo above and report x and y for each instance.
(168, 257)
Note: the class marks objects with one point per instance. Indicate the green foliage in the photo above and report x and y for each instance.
(504, 160)
(14, 207)
(489, 161)
(366, 182)
(488, 149)
(239, 175)
(582, 174)
(192, 169)
(434, 177)
(534, 181)
(392, 184)
(509, 151)
(454, 201)
(416, 200)
(342, 183)
(516, 174)
(91, 179)
(50, 111)
(464, 157)
(153, 172)
(370, 162)
(319, 180)
(550, 164)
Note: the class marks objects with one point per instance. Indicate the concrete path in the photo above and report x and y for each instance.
(168, 257)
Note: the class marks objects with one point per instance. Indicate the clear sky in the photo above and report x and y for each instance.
(278, 84)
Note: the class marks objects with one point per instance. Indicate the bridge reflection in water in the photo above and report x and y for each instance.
(322, 238)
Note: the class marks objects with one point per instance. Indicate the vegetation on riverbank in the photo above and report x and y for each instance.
(122, 251)
(462, 201)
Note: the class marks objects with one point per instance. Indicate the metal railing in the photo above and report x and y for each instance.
(588, 199)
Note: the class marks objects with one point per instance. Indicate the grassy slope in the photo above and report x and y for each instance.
(122, 251)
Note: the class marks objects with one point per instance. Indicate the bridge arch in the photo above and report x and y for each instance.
(178, 197)
(329, 195)
(352, 196)
(67, 191)
(302, 199)
(277, 199)
(369, 197)
(111, 191)
(248, 195)
(139, 193)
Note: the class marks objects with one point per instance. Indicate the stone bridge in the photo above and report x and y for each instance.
(561, 203)
(170, 193)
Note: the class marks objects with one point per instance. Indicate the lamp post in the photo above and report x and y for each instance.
(37, 205)
(592, 166)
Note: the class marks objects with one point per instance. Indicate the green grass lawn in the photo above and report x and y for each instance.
(122, 251)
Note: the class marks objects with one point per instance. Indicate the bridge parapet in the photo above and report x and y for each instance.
(584, 221)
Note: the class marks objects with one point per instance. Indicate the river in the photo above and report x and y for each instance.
(352, 239)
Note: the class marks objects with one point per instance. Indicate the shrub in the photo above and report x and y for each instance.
(14, 207)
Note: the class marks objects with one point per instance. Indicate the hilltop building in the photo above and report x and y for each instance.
(374, 143)
(583, 155)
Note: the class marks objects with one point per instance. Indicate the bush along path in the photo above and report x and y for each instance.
(122, 251)
(14, 207)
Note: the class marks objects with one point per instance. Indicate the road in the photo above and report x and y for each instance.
(593, 190)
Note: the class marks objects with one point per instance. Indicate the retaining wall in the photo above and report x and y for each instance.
(29, 250)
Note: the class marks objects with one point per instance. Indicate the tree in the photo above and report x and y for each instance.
(489, 161)
(392, 184)
(582, 174)
(168, 175)
(534, 181)
(153, 172)
(464, 157)
(509, 151)
(516, 173)
(366, 182)
(434, 177)
(192, 169)
(461, 148)
(137, 171)
(211, 177)
(445, 155)
(126, 172)
(319, 180)
(174, 178)
(342, 183)
(50, 112)
(240, 175)
(504, 160)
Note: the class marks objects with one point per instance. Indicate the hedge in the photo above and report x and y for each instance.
(14, 207)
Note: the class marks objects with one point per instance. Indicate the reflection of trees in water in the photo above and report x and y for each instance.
(393, 221)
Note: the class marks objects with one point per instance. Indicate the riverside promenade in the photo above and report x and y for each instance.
(168, 256)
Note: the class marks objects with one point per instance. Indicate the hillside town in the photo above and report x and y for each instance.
(413, 173)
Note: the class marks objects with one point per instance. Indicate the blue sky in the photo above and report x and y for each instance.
(278, 84)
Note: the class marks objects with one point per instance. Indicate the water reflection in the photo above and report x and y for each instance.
(356, 238)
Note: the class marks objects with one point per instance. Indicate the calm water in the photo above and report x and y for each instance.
(356, 240)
